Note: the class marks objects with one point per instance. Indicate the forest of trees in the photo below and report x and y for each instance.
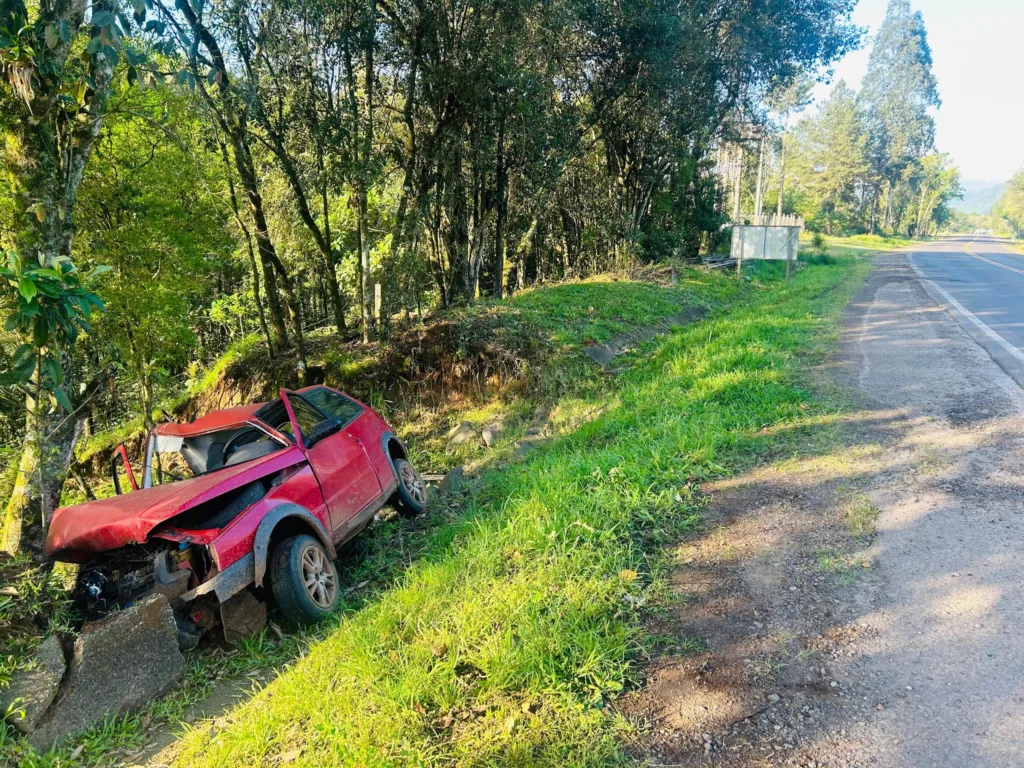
(1008, 214)
(181, 177)
(866, 162)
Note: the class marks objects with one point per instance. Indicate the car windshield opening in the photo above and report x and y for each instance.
(170, 458)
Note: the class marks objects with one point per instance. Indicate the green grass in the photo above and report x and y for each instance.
(861, 515)
(497, 629)
(854, 245)
(512, 627)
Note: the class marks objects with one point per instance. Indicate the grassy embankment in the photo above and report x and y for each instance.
(856, 245)
(498, 629)
(505, 639)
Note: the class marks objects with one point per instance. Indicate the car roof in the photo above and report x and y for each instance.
(223, 419)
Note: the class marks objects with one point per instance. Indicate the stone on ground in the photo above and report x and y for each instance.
(460, 434)
(34, 688)
(453, 481)
(118, 665)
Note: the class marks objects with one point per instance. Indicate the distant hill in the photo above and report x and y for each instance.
(979, 199)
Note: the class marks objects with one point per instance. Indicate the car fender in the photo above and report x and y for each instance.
(261, 545)
(385, 438)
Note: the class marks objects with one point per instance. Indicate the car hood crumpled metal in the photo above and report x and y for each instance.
(77, 532)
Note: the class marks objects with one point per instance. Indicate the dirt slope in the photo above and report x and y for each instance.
(827, 644)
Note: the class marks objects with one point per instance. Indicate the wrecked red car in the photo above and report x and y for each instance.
(260, 496)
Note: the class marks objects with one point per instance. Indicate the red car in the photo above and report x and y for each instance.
(240, 497)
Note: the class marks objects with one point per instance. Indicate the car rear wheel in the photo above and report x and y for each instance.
(304, 580)
(411, 496)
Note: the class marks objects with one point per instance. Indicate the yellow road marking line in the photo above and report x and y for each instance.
(969, 252)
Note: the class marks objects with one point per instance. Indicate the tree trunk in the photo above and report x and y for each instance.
(758, 193)
(457, 235)
(41, 476)
(362, 187)
(738, 185)
(233, 200)
(498, 278)
(782, 176)
(399, 233)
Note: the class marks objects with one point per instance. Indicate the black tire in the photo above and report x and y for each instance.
(294, 564)
(410, 498)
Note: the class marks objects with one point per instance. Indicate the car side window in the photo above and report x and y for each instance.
(334, 405)
(306, 415)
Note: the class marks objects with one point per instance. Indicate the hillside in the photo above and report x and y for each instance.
(979, 201)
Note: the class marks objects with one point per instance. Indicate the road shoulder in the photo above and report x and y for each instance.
(856, 605)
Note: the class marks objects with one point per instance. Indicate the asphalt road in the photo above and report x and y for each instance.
(938, 674)
(980, 281)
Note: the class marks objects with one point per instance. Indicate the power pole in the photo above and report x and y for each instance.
(738, 185)
(758, 197)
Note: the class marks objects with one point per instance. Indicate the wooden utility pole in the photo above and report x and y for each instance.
(759, 192)
(737, 184)
(782, 174)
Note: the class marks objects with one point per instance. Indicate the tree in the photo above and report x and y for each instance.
(832, 161)
(787, 100)
(898, 91)
(58, 63)
(937, 183)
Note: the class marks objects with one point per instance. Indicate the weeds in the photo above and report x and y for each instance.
(518, 592)
(860, 514)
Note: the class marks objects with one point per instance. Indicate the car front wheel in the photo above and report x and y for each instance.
(304, 580)
(411, 496)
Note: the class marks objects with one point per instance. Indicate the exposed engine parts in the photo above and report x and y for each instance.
(123, 576)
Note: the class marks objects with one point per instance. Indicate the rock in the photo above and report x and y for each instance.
(118, 664)
(242, 616)
(35, 686)
(490, 433)
(463, 433)
(453, 481)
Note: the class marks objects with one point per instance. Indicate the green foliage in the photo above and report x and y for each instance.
(1010, 209)
(867, 161)
(47, 305)
(36, 603)
(899, 89)
(830, 162)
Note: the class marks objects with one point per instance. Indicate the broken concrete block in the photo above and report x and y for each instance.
(463, 433)
(118, 664)
(36, 686)
(242, 616)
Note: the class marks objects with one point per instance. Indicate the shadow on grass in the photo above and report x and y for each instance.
(499, 627)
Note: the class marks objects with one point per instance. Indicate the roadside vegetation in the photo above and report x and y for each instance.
(437, 208)
(506, 621)
(515, 625)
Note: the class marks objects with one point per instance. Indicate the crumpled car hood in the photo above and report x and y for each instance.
(98, 526)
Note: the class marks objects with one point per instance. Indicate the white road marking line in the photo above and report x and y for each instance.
(1016, 353)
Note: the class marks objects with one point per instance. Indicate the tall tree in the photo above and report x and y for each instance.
(58, 61)
(831, 159)
(898, 92)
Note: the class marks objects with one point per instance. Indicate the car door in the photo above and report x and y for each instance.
(346, 478)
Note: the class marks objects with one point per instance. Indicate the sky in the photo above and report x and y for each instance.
(979, 63)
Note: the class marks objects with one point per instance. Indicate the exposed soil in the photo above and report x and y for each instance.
(604, 354)
(861, 607)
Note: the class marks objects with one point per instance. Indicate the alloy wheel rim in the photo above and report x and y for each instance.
(318, 577)
(413, 483)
